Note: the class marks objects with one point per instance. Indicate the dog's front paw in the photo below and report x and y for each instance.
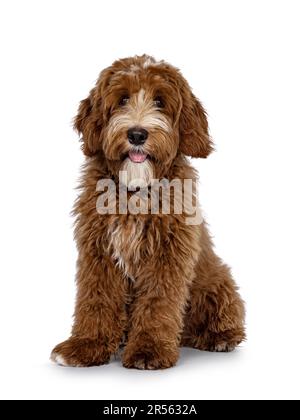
(150, 357)
(145, 361)
(80, 352)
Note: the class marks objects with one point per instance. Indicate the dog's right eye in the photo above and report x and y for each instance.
(124, 100)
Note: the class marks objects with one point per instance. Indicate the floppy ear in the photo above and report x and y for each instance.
(88, 123)
(193, 126)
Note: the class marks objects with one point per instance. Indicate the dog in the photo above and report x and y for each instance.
(146, 283)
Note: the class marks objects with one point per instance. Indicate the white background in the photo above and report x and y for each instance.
(242, 60)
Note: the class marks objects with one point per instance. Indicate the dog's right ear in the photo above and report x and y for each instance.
(88, 123)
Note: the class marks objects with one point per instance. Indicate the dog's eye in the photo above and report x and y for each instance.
(124, 100)
(158, 102)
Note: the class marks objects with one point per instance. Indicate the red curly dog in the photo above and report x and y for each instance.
(151, 282)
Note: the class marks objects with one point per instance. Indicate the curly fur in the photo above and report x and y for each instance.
(150, 278)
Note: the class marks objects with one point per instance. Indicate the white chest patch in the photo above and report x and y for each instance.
(125, 241)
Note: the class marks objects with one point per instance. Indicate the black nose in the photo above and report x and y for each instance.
(137, 136)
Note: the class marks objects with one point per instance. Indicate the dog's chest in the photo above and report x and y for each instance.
(126, 242)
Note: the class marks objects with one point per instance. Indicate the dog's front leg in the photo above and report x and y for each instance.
(99, 314)
(156, 316)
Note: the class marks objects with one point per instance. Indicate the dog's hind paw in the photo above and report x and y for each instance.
(224, 347)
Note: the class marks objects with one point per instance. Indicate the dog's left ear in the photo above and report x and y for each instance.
(193, 126)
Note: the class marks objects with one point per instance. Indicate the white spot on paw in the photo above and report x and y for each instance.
(57, 358)
(224, 347)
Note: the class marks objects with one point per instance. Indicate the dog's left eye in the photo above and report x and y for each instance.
(158, 102)
(124, 100)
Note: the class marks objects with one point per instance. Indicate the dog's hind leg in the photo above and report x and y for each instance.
(214, 319)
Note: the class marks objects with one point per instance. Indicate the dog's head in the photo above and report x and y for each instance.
(140, 115)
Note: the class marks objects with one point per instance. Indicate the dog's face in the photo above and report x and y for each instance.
(140, 115)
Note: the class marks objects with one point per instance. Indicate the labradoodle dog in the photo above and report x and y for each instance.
(149, 282)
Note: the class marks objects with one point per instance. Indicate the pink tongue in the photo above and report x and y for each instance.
(137, 157)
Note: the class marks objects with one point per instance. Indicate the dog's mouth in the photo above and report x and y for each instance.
(137, 156)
